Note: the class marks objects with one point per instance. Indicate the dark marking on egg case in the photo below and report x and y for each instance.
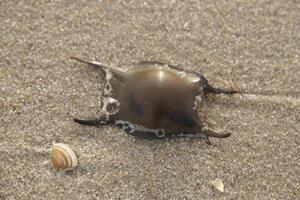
(182, 118)
(135, 106)
(154, 100)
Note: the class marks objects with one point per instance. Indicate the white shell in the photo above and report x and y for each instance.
(218, 184)
(63, 157)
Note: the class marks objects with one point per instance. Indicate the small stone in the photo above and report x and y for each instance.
(218, 184)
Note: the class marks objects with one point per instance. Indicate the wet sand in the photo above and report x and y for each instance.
(250, 46)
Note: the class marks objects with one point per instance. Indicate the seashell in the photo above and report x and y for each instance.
(154, 100)
(218, 184)
(63, 157)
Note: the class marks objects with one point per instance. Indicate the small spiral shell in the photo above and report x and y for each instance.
(63, 157)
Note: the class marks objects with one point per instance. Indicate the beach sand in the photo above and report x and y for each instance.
(252, 46)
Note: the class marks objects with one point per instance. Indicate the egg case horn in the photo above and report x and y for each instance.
(120, 75)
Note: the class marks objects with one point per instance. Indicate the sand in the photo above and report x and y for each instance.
(253, 46)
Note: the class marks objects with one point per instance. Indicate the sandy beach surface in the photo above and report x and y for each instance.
(252, 46)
